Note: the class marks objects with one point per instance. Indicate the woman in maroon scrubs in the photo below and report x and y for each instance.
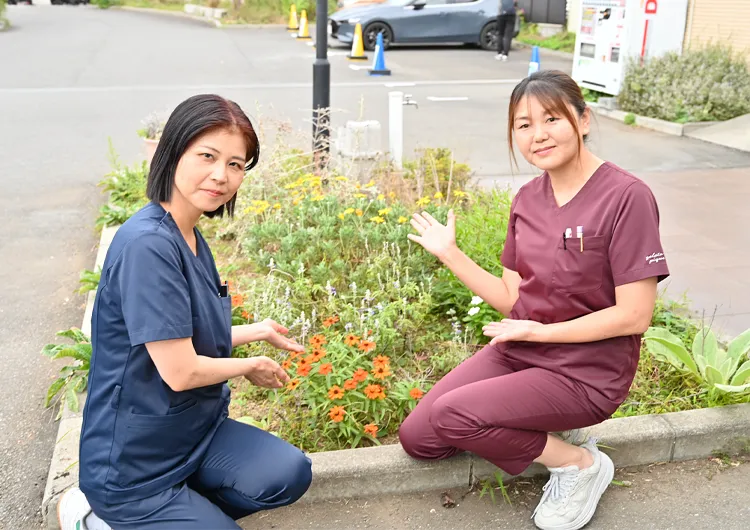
(581, 263)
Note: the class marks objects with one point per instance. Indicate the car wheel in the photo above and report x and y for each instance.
(370, 35)
(488, 36)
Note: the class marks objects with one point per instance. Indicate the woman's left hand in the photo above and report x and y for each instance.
(508, 330)
(273, 333)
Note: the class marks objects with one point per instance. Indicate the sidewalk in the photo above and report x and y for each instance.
(704, 494)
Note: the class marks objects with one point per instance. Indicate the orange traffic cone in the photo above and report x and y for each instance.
(358, 48)
(293, 23)
(304, 31)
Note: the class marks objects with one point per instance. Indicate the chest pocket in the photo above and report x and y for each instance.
(577, 272)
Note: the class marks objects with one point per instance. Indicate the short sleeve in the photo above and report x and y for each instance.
(635, 252)
(153, 290)
(508, 257)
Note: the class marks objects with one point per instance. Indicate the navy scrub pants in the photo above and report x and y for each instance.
(498, 408)
(244, 471)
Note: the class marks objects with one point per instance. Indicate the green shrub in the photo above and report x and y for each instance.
(706, 84)
(629, 119)
(73, 377)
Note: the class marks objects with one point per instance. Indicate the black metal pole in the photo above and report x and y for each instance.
(321, 87)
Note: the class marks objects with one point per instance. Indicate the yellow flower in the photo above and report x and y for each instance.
(392, 195)
(349, 211)
(370, 184)
(424, 201)
(384, 211)
(402, 219)
(317, 198)
(359, 212)
(297, 201)
(341, 216)
(377, 220)
(438, 195)
(360, 196)
(249, 209)
(277, 206)
(381, 197)
(358, 186)
(459, 193)
(342, 179)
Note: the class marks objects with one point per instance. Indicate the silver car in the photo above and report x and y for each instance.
(420, 21)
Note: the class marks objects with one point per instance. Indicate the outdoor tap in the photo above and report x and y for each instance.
(409, 101)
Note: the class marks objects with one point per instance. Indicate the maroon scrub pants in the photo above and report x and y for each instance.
(499, 408)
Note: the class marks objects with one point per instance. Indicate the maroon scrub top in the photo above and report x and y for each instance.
(619, 219)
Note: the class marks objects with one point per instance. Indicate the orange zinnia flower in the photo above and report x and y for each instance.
(237, 300)
(305, 361)
(350, 384)
(381, 360)
(337, 414)
(381, 372)
(246, 315)
(325, 369)
(416, 393)
(303, 371)
(286, 365)
(360, 375)
(316, 341)
(294, 383)
(373, 391)
(318, 354)
(335, 393)
(330, 321)
(371, 429)
(351, 340)
(366, 346)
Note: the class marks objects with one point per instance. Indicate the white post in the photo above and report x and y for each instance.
(396, 127)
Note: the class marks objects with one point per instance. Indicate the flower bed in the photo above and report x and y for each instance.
(381, 320)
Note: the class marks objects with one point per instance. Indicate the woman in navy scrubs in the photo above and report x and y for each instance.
(157, 449)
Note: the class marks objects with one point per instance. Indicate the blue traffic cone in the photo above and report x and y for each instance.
(378, 65)
(534, 63)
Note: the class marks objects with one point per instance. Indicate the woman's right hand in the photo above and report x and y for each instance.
(266, 373)
(436, 238)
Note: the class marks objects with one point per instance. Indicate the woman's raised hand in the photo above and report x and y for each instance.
(436, 238)
(273, 334)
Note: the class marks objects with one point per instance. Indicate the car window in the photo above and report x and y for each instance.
(436, 2)
(463, 1)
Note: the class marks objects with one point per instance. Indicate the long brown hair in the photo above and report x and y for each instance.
(554, 90)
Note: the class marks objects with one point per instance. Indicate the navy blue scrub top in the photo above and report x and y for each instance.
(140, 437)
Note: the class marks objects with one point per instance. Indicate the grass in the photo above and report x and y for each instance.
(564, 41)
(164, 5)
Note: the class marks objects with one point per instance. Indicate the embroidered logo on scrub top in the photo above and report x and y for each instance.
(656, 257)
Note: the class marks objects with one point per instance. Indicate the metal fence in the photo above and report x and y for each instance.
(544, 11)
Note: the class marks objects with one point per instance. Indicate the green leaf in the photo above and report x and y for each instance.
(50, 349)
(73, 353)
(714, 377)
(74, 334)
(705, 345)
(54, 388)
(740, 345)
(734, 388)
(728, 367)
(675, 353)
(71, 398)
(742, 374)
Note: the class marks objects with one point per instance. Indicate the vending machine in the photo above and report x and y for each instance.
(614, 31)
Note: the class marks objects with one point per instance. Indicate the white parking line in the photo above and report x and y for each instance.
(394, 85)
(248, 86)
(447, 98)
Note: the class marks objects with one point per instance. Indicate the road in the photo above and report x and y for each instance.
(700, 495)
(73, 77)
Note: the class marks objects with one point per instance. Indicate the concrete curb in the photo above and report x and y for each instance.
(388, 469)
(666, 127)
(63, 471)
(205, 20)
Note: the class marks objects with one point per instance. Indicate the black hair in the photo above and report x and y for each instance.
(191, 119)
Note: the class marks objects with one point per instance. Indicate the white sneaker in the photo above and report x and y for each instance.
(505, 58)
(499, 57)
(570, 496)
(74, 513)
(72, 509)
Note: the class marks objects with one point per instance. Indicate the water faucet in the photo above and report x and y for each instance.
(409, 101)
